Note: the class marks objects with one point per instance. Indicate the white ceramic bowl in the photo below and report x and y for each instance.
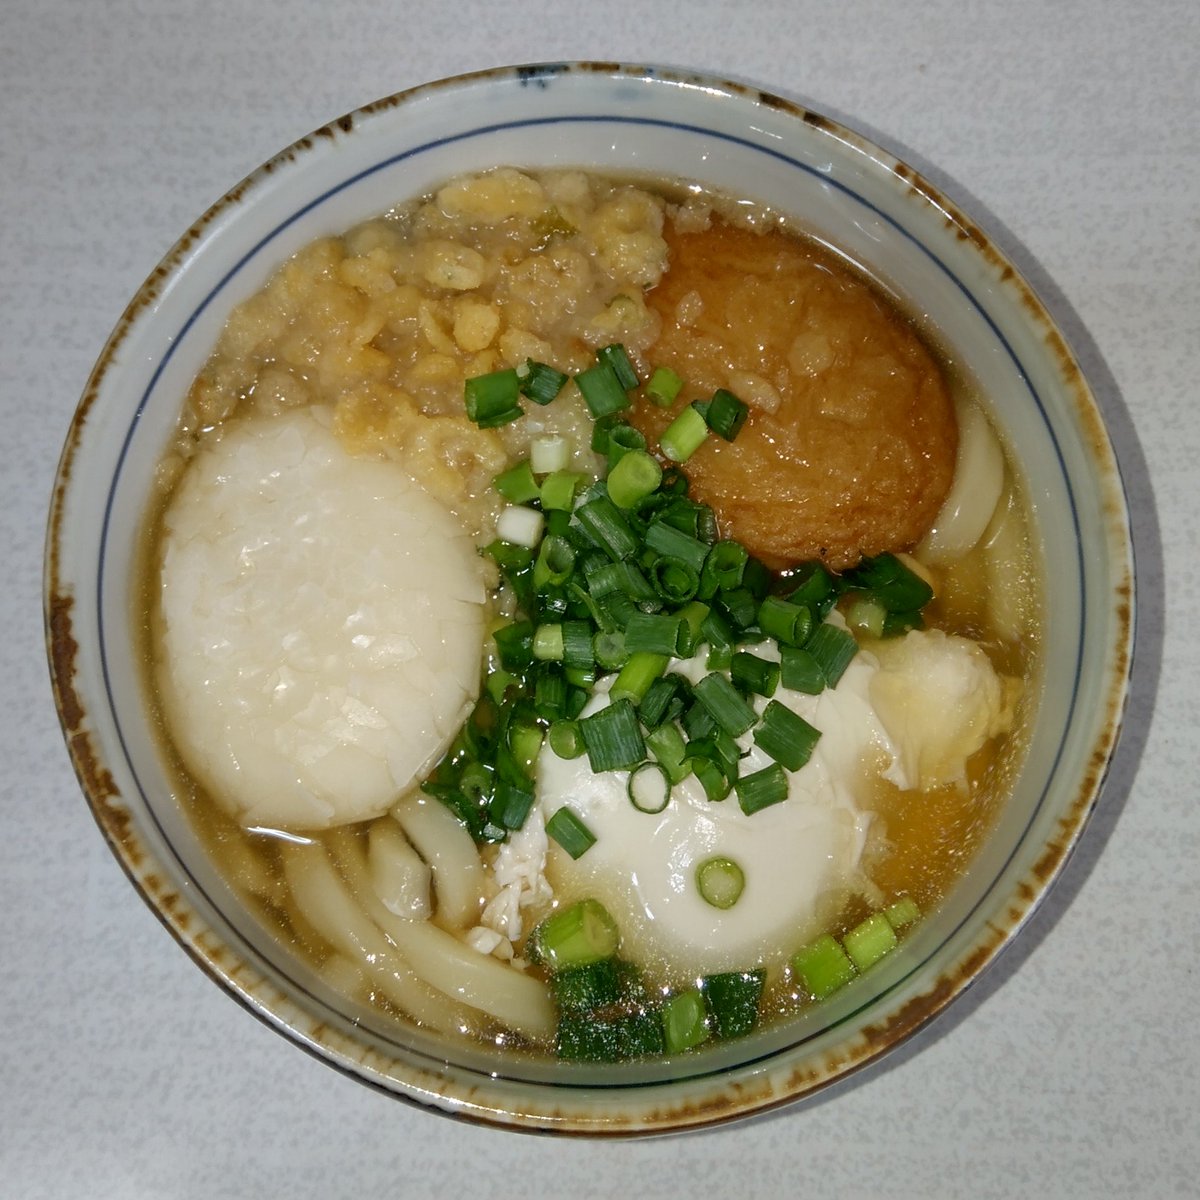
(615, 119)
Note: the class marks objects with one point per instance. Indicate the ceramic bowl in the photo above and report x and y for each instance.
(627, 120)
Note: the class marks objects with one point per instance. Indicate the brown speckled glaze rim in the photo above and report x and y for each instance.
(644, 1109)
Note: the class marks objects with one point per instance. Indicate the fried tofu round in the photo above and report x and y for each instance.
(850, 445)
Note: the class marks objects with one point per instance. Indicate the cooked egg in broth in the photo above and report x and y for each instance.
(587, 616)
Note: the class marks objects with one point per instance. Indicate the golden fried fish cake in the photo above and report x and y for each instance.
(850, 445)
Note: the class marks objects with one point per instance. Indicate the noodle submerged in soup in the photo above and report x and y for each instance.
(341, 553)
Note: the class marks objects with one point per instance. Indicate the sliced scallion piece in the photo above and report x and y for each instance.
(548, 642)
(517, 485)
(663, 387)
(786, 736)
(822, 967)
(761, 789)
(549, 453)
(902, 913)
(636, 676)
(655, 633)
(832, 648)
(685, 435)
(726, 414)
(541, 383)
(604, 522)
(492, 400)
(613, 738)
(870, 940)
(608, 647)
(786, 622)
(749, 673)
(558, 490)
(684, 1021)
(799, 671)
(670, 542)
(622, 439)
(616, 357)
(554, 563)
(633, 478)
(670, 752)
(713, 780)
(602, 390)
(575, 936)
(510, 805)
(649, 788)
(867, 614)
(520, 526)
(720, 882)
(565, 739)
(566, 827)
(732, 999)
(725, 704)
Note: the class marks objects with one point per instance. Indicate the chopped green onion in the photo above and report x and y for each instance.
(621, 440)
(732, 999)
(670, 753)
(608, 577)
(897, 623)
(674, 579)
(540, 382)
(613, 738)
(569, 831)
(550, 694)
(603, 521)
(554, 563)
(517, 485)
(603, 429)
(902, 913)
(720, 748)
(715, 630)
(720, 882)
(597, 1038)
(587, 988)
(870, 940)
(663, 387)
(576, 936)
(761, 789)
(548, 453)
(725, 566)
(786, 736)
(726, 414)
(548, 643)
(514, 645)
(833, 648)
(492, 399)
(725, 704)
(684, 1021)
(525, 743)
(799, 671)
(608, 647)
(692, 615)
(558, 490)
(577, 645)
(633, 479)
(749, 673)
(897, 588)
(637, 675)
(520, 525)
(670, 542)
(618, 359)
(867, 614)
(815, 588)
(822, 967)
(654, 633)
(739, 605)
(788, 623)
(684, 436)
(565, 739)
(510, 805)
(649, 788)
(713, 780)
(602, 390)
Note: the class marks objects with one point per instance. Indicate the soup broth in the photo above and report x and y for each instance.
(376, 333)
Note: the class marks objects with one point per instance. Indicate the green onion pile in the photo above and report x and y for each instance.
(616, 578)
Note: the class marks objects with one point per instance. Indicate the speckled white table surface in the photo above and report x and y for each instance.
(1073, 1067)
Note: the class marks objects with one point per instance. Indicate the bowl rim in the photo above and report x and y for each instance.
(660, 1111)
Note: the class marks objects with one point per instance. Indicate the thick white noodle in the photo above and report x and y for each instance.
(444, 843)
(325, 902)
(978, 482)
(1006, 552)
(518, 1001)
(399, 876)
